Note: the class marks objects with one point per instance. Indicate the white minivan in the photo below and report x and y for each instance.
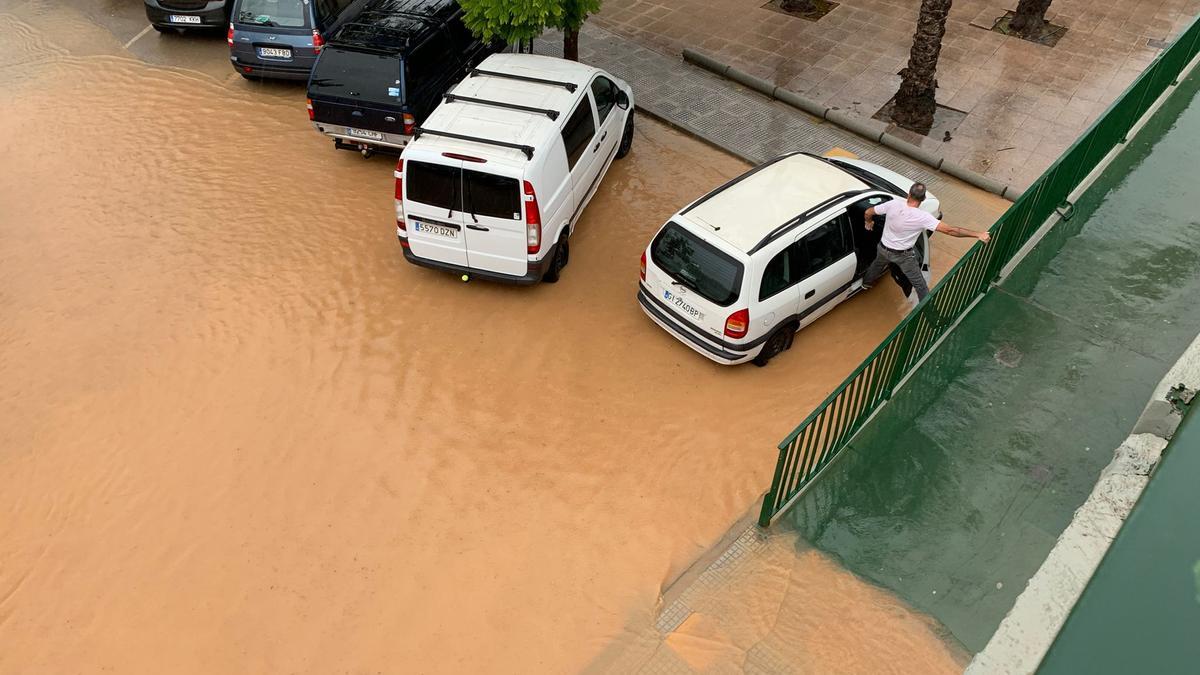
(498, 174)
(737, 272)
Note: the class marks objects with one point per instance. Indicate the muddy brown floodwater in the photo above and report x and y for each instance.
(239, 434)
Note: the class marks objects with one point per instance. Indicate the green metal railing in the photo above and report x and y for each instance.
(825, 432)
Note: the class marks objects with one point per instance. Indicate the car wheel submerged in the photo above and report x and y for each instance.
(626, 138)
(562, 254)
(779, 342)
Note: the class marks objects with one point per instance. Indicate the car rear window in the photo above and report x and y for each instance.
(490, 195)
(277, 13)
(433, 184)
(357, 75)
(697, 264)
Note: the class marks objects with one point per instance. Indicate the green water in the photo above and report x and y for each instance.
(953, 496)
(1141, 611)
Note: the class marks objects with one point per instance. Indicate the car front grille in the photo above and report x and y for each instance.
(183, 4)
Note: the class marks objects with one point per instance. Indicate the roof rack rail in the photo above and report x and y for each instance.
(552, 114)
(527, 149)
(795, 222)
(569, 86)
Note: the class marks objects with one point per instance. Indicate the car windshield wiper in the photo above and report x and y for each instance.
(681, 280)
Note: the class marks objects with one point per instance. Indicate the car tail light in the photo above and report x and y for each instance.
(318, 42)
(410, 123)
(308, 104)
(738, 324)
(399, 173)
(533, 220)
(229, 35)
(643, 265)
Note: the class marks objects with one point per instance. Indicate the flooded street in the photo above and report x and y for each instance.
(238, 433)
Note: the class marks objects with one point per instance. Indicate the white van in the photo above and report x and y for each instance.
(737, 272)
(498, 174)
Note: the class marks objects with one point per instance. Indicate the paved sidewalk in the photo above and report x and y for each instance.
(751, 125)
(1024, 103)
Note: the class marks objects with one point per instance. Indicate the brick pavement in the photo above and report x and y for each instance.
(1025, 103)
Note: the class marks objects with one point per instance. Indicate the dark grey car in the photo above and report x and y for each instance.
(281, 38)
(167, 15)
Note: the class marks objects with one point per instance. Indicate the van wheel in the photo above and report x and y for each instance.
(626, 138)
(562, 254)
(780, 341)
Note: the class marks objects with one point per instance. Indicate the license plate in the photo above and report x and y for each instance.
(184, 18)
(363, 133)
(435, 230)
(275, 52)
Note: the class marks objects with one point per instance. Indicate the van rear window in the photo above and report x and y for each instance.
(433, 184)
(280, 13)
(697, 264)
(487, 194)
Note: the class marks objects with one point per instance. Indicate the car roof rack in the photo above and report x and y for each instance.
(569, 86)
(802, 218)
(552, 114)
(527, 149)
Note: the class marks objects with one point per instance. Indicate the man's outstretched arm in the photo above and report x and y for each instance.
(963, 232)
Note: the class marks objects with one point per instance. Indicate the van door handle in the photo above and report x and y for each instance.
(806, 295)
(478, 227)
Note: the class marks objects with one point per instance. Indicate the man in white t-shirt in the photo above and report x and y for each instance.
(904, 224)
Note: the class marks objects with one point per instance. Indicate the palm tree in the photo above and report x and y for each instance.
(915, 101)
(1029, 18)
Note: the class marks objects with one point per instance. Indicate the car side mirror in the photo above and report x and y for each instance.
(622, 100)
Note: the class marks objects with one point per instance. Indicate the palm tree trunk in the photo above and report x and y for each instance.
(916, 100)
(571, 44)
(1029, 18)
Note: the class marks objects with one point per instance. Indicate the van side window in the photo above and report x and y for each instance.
(578, 132)
(781, 273)
(826, 245)
(605, 93)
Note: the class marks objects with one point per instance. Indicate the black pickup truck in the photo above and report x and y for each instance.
(387, 68)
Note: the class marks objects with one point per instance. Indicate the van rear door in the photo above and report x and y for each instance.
(694, 280)
(433, 210)
(494, 221)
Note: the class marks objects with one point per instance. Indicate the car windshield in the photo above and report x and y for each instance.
(281, 13)
(357, 75)
(697, 264)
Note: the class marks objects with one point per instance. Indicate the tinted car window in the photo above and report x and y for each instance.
(329, 10)
(280, 13)
(605, 92)
(781, 273)
(697, 264)
(487, 194)
(357, 75)
(578, 131)
(431, 59)
(825, 245)
(460, 36)
(433, 184)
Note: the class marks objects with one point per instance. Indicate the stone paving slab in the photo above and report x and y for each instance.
(750, 125)
(1024, 102)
